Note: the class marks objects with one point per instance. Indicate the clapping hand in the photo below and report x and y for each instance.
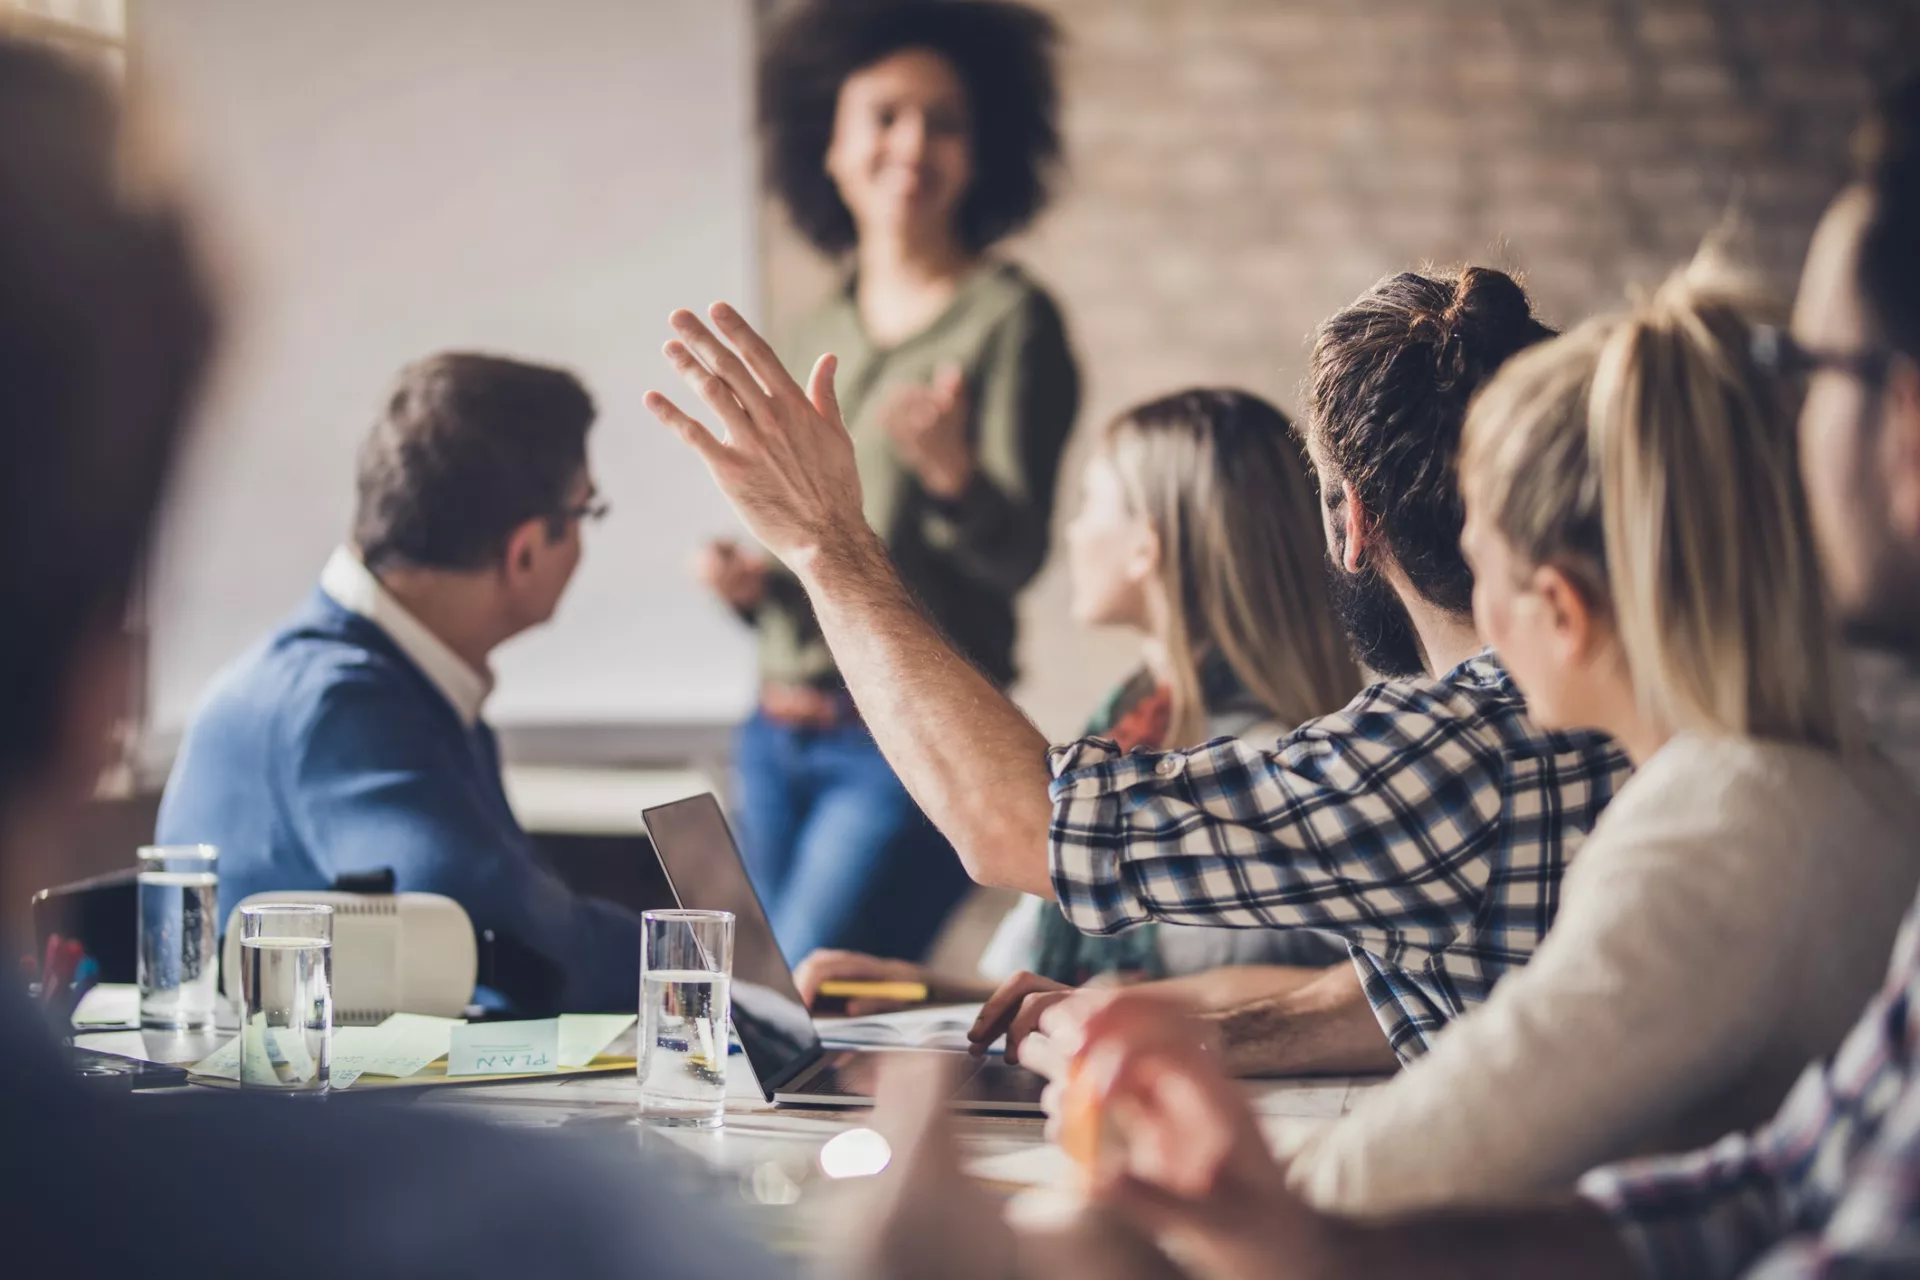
(785, 461)
(927, 423)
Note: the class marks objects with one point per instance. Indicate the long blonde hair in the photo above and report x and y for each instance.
(1649, 458)
(1219, 476)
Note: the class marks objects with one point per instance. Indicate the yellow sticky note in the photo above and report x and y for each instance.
(585, 1036)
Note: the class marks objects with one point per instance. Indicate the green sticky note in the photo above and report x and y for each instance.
(222, 1064)
(585, 1036)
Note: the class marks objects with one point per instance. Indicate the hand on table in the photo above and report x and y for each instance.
(785, 461)
(737, 576)
(927, 423)
(830, 966)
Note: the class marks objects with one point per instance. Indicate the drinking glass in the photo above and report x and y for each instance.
(286, 996)
(686, 965)
(178, 965)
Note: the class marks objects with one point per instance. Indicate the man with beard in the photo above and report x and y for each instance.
(1427, 823)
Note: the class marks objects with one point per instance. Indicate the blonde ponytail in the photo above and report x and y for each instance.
(1647, 456)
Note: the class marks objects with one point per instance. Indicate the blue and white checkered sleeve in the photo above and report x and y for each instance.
(1370, 822)
(1705, 1214)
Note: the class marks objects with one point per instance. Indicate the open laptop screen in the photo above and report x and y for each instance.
(703, 865)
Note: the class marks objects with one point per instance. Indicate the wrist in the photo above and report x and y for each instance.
(840, 558)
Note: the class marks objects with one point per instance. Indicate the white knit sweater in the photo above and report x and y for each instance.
(1722, 927)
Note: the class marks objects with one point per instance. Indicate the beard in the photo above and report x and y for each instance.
(1377, 624)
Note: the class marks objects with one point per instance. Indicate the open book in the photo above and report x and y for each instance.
(938, 1027)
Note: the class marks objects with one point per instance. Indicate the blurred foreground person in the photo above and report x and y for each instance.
(105, 329)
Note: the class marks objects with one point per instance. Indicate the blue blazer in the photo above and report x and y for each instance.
(326, 751)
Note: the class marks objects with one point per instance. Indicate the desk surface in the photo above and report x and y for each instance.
(766, 1157)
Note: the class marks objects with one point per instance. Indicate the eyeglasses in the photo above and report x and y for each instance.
(1780, 352)
(594, 509)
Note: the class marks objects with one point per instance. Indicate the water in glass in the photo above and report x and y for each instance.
(177, 965)
(683, 1046)
(286, 987)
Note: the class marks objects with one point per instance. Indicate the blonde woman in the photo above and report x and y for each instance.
(1644, 566)
(1197, 529)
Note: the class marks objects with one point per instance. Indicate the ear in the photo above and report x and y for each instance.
(523, 547)
(1570, 615)
(1144, 557)
(1900, 446)
(1355, 525)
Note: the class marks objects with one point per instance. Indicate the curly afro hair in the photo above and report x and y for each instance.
(1003, 55)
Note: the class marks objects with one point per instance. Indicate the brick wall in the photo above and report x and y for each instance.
(1240, 168)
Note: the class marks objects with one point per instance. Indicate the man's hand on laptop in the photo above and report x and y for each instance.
(1014, 1012)
(784, 459)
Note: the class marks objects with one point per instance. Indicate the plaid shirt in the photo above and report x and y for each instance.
(1830, 1187)
(1428, 823)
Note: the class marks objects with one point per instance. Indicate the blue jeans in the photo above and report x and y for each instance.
(839, 853)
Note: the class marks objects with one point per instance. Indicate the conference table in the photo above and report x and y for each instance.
(775, 1163)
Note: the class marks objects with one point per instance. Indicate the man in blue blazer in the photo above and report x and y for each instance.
(352, 741)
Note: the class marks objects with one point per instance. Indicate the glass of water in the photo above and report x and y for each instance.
(686, 964)
(286, 995)
(177, 963)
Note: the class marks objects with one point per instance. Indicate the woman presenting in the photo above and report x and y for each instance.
(907, 139)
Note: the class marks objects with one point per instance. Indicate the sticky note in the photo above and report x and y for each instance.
(505, 1048)
(409, 1041)
(585, 1036)
(222, 1064)
(354, 1048)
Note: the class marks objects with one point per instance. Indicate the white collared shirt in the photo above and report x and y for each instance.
(352, 586)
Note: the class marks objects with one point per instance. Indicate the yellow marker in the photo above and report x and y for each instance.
(902, 992)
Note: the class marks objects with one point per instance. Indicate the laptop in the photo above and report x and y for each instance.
(792, 1067)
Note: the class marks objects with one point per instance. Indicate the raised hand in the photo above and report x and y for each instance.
(784, 459)
(737, 576)
(927, 423)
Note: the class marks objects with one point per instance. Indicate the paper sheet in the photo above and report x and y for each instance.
(505, 1048)
(111, 1004)
(939, 1027)
(585, 1036)
(409, 1042)
(222, 1064)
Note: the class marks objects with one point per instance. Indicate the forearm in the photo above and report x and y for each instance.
(1234, 986)
(966, 754)
(1322, 1026)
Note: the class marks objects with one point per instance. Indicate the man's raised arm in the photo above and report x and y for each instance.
(970, 759)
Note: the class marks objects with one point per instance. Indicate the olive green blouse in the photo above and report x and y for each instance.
(965, 559)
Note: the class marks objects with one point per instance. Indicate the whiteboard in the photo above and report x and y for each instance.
(542, 179)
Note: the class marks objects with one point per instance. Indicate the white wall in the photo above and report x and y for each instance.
(546, 178)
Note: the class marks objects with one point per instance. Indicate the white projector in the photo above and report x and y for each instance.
(392, 953)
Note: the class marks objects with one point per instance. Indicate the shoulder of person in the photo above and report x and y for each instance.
(1004, 295)
(1720, 790)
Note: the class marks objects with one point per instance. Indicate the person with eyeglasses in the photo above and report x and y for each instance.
(351, 741)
